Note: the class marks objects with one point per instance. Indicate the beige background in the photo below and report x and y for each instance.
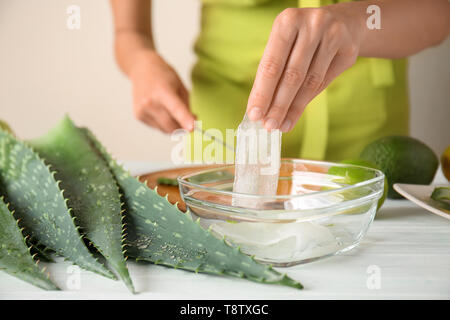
(47, 70)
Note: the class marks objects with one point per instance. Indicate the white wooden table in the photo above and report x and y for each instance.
(406, 246)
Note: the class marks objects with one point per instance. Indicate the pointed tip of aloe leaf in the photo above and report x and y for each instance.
(103, 272)
(49, 286)
(122, 271)
(126, 279)
(129, 285)
(288, 281)
(6, 128)
(98, 268)
(66, 118)
(46, 286)
(40, 280)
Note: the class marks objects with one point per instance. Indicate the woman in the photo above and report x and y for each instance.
(299, 51)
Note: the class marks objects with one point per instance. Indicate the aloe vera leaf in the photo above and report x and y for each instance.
(42, 253)
(91, 189)
(4, 126)
(441, 193)
(15, 257)
(33, 193)
(160, 233)
(441, 197)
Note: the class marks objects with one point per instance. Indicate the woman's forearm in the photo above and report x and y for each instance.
(407, 26)
(132, 30)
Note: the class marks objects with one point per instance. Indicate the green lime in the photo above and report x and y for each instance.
(353, 175)
(403, 160)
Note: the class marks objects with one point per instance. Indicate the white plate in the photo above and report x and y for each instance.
(420, 195)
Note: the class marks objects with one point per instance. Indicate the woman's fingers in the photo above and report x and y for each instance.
(151, 122)
(179, 110)
(166, 110)
(159, 97)
(142, 115)
(330, 60)
(162, 117)
(270, 69)
(310, 87)
(307, 49)
(153, 113)
(341, 62)
(184, 95)
(291, 80)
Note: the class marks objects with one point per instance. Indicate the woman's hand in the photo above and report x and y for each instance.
(306, 50)
(159, 97)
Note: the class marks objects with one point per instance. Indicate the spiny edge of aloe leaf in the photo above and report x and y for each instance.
(126, 278)
(47, 285)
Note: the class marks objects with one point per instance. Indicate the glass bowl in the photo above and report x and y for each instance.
(320, 209)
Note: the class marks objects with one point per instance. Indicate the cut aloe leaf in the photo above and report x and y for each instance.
(442, 196)
(167, 181)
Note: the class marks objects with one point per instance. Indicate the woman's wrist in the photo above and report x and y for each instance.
(129, 45)
(354, 15)
(407, 26)
(144, 56)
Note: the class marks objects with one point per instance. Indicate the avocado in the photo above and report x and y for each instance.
(403, 159)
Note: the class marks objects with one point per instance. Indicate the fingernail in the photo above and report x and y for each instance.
(271, 124)
(255, 114)
(190, 126)
(286, 125)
